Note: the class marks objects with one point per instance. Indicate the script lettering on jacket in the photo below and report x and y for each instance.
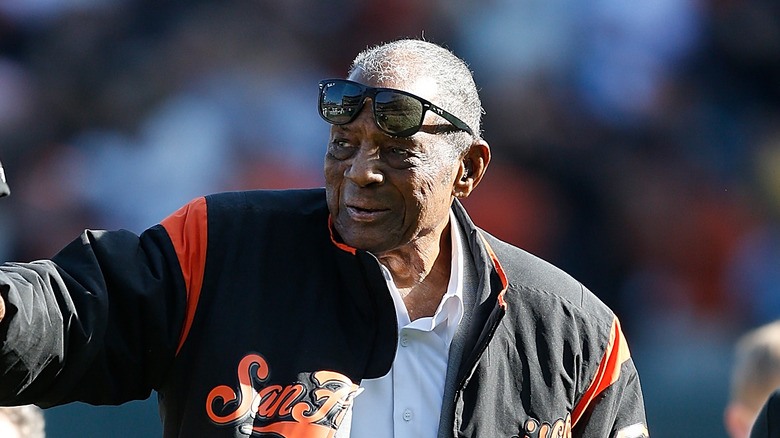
(559, 429)
(313, 407)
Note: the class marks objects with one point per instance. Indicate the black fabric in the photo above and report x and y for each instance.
(281, 309)
(288, 324)
(767, 423)
(98, 323)
(279, 293)
(528, 364)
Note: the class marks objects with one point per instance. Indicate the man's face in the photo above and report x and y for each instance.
(385, 192)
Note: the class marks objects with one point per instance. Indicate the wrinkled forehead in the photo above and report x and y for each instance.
(423, 86)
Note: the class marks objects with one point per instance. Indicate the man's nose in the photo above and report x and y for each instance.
(364, 169)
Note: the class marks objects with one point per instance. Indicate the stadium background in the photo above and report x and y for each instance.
(636, 144)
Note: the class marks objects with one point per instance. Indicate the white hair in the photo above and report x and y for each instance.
(408, 59)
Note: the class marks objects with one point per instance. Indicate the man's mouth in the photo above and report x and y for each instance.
(364, 213)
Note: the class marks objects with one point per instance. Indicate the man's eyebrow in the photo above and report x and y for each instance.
(346, 127)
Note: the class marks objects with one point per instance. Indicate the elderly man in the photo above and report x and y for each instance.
(373, 308)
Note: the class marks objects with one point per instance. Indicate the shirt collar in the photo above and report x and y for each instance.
(450, 308)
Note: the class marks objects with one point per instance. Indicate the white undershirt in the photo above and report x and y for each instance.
(407, 401)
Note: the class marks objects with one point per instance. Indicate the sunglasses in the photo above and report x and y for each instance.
(396, 112)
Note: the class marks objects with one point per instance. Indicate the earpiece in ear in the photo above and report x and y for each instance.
(466, 171)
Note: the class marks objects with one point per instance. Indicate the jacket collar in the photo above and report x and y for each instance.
(492, 279)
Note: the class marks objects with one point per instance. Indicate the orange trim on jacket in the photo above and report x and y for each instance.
(341, 246)
(608, 373)
(188, 230)
(499, 270)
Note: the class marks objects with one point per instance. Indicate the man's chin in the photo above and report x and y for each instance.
(373, 241)
(374, 246)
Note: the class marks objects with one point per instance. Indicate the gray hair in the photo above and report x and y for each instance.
(408, 59)
(28, 420)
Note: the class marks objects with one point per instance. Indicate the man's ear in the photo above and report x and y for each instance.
(472, 168)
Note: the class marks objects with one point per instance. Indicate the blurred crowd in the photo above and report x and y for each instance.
(635, 144)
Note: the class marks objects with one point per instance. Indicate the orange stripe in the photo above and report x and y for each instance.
(609, 370)
(188, 230)
(499, 269)
(341, 246)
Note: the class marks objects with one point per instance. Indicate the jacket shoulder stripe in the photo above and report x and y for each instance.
(188, 230)
(608, 372)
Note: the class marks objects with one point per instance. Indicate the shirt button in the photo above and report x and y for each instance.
(404, 341)
(408, 415)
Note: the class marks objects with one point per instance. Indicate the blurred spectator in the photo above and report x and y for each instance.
(755, 375)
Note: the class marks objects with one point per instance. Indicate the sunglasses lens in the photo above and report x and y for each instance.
(339, 102)
(397, 113)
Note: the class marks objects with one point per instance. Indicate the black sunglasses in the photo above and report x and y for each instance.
(396, 112)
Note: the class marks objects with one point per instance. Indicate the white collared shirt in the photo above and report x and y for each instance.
(407, 401)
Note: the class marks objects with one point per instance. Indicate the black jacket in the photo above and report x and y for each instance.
(247, 316)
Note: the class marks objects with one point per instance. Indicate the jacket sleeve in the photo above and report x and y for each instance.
(98, 323)
(613, 405)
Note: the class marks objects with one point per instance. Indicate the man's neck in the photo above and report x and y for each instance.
(421, 272)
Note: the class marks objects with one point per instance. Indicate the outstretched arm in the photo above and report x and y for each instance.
(98, 323)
